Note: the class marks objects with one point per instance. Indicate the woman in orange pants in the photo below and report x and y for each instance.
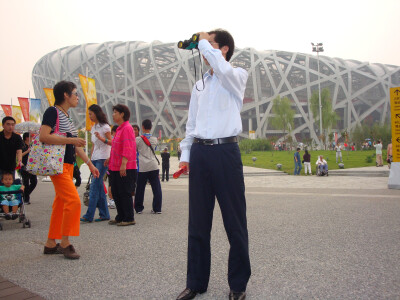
(66, 212)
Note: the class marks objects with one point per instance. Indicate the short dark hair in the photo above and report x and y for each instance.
(298, 149)
(123, 109)
(224, 38)
(147, 124)
(60, 88)
(114, 128)
(100, 115)
(8, 118)
(25, 136)
(7, 173)
(136, 126)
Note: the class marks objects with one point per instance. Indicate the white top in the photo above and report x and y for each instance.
(378, 148)
(214, 111)
(338, 148)
(100, 149)
(321, 162)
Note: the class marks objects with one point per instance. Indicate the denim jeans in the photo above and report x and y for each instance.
(297, 168)
(97, 196)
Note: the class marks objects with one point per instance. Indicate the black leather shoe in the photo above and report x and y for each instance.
(237, 296)
(188, 294)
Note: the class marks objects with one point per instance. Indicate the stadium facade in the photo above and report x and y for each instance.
(155, 81)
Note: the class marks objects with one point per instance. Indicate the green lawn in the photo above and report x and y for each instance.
(269, 159)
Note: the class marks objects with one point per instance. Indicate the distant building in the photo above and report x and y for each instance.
(155, 81)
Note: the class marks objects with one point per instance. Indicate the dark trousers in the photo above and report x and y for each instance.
(30, 182)
(217, 171)
(154, 179)
(165, 171)
(122, 189)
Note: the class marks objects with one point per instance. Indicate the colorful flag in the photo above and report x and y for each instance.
(34, 112)
(24, 103)
(89, 91)
(17, 114)
(50, 96)
(7, 109)
(2, 115)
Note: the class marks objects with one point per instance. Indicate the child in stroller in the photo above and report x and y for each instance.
(11, 196)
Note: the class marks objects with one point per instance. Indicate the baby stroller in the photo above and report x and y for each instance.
(320, 172)
(21, 207)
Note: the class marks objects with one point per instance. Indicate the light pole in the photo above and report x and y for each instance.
(319, 48)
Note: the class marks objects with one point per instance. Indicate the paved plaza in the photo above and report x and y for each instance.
(335, 237)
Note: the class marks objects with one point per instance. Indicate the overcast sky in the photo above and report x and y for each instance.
(352, 29)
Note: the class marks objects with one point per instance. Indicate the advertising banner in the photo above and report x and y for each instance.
(24, 103)
(17, 114)
(34, 112)
(49, 96)
(89, 91)
(7, 109)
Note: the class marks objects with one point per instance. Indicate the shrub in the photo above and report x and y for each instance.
(247, 145)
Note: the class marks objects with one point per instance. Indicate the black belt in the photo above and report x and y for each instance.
(210, 142)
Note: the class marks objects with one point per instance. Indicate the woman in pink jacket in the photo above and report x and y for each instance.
(122, 167)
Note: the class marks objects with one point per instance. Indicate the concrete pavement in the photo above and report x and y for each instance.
(310, 237)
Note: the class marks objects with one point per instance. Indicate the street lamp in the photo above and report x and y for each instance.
(319, 48)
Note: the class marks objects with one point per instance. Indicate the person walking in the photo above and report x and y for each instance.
(165, 155)
(149, 170)
(307, 162)
(211, 155)
(338, 149)
(378, 152)
(122, 167)
(101, 140)
(28, 180)
(389, 154)
(297, 162)
(10, 147)
(64, 221)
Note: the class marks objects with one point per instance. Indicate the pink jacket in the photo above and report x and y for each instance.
(123, 145)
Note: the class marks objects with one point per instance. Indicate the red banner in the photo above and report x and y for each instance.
(24, 103)
(7, 109)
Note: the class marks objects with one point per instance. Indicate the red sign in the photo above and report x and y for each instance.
(24, 103)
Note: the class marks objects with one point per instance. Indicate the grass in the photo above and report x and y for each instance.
(269, 159)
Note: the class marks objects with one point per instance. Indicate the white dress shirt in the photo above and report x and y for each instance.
(214, 111)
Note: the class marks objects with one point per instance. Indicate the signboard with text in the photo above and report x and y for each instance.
(395, 113)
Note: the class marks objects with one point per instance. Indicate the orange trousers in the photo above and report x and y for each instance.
(65, 217)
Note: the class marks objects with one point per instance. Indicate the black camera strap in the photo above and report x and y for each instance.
(201, 70)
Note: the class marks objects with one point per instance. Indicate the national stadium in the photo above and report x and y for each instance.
(155, 81)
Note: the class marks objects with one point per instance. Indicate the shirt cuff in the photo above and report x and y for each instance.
(185, 156)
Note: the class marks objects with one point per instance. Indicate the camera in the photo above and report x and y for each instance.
(189, 44)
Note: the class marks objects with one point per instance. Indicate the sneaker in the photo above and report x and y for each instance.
(8, 216)
(111, 204)
(156, 212)
(14, 216)
(84, 220)
(139, 212)
(101, 219)
(69, 252)
(113, 222)
(126, 223)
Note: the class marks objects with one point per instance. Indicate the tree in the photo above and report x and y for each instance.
(283, 114)
(329, 116)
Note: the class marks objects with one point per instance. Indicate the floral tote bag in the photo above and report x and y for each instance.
(45, 159)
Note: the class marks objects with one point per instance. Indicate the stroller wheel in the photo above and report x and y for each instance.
(27, 223)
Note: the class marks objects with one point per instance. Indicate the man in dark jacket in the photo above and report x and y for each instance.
(165, 164)
(10, 147)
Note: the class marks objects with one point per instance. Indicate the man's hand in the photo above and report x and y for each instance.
(106, 162)
(203, 36)
(182, 164)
